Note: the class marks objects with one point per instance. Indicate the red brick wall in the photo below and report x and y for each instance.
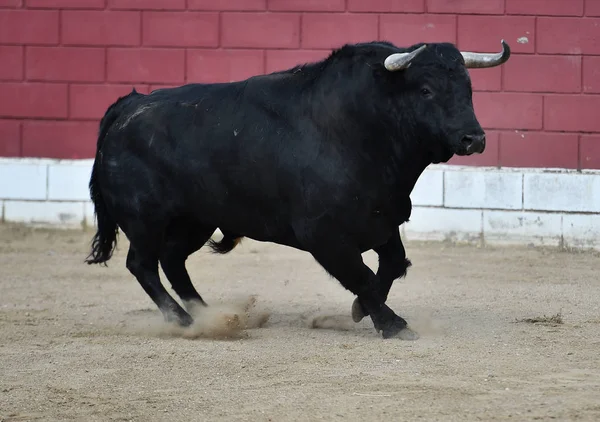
(62, 62)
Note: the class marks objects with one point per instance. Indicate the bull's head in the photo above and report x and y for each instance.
(437, 88)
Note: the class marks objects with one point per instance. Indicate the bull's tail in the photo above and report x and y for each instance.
(105, 239)
(225, 245)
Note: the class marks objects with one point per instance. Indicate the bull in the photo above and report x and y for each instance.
(321, 157)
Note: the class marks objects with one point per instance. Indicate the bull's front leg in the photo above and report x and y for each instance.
(392, 265)
(341, 258)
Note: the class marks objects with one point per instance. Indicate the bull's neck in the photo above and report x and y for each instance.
(407, 163)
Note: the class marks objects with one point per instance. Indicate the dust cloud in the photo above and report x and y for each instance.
(216, 321)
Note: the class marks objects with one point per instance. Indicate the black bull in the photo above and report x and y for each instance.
(321, 157)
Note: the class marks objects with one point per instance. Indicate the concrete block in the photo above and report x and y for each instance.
(19, 180)
(429, 189)
(568, 192)
(521, 227)
(88, 211)
(483, 189)
(581, 230)
(443, 224)
(44, 212)
(69, 181)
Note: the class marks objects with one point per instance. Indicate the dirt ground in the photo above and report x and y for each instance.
(81, 342)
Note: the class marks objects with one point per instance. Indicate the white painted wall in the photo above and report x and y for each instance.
(515, 206)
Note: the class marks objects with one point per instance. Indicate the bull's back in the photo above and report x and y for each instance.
(205, 150)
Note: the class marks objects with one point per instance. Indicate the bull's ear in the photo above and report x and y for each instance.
(400, 61)
(481, 60)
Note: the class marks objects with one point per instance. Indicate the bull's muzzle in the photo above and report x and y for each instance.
(473, 144)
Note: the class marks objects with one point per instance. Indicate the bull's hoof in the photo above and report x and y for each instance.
(183, 319)
(357, 311)
(402, 333)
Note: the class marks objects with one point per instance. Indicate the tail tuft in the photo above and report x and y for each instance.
(226, 245)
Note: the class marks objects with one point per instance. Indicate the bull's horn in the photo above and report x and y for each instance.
(399, 61)
(481, 60)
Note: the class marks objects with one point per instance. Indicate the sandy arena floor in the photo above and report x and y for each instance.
(85, 343)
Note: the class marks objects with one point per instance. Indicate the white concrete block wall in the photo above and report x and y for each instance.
(443, 224)
(69, 181)
(44, 212)
(490, 205)
(477, 189)
(515, 227)
(23, 180)
(581, 230)
(558, 192)
(429, 189)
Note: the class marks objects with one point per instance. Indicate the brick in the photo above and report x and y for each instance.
(180, 29)
(147, 65)
(572, 113)
(487, 7)
(443, 223)
(557, 35)
(307, 5)
(11, 3)
(517, 31)
(385, 5)
(65, 4)
(517, 227)
(545, 7)
(223, 65)
(589, 152)
(407, 29)
(591, 74)
(538, 149)
(33, 100)
(529, 73)
(91, 101)
(486, 79)
(581, 230)
(147, 4)
(69, 214)
(429, 189)
(508, 110)
(85, 27)
(482, 189)
(592, 8)
(286, 59)
(28, 26)
(489, 157)
(59, 139)
(69, 181)
(332, 30)
(68, 64)
(229, 5)
(570, 192)
(10, 138)
(11, 58)
(30, 180)
(262, 30)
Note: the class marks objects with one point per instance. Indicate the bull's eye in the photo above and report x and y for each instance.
(426, 93)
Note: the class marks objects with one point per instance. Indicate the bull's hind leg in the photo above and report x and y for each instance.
(182, 239)
(392, 265)
(142, 262)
